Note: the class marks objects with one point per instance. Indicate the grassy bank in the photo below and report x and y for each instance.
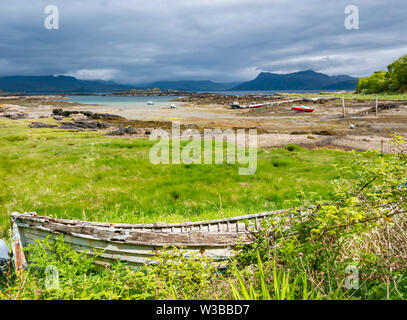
(88, 176)
(361, 97)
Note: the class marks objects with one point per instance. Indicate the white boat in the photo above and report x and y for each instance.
(172, 106)
(253, 105)
(137, 244)
(151, 103)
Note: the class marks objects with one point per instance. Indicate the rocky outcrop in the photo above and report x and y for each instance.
(226, 99)
(83, 124)
(88, 114)
(126, 130)
(79, 117)
(37, 124)
(13, 111)
(149, 92)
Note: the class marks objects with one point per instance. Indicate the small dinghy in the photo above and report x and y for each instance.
(151, 103)
(303, 108)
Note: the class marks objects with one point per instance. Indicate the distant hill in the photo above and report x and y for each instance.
(67, 84)
(303, 80)
(59, 84)
(190, 85)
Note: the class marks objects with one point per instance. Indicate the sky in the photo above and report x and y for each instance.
(139, 41)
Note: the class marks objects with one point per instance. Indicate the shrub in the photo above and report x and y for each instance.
(361, 227)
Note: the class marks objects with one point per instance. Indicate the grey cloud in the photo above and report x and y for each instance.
(134, 41)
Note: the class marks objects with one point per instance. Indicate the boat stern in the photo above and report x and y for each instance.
(20, 261)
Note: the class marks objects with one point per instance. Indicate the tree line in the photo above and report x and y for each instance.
(392, 80)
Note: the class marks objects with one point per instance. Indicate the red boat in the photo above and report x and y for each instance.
(303, 108)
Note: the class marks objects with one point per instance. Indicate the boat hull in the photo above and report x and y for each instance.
(136, 244)
(304, 109)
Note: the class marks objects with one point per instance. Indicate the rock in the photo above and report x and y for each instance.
(37, 124)
(88, 114)
(14, 112)
(83, 124)
(125, 130)
(15, 115)
(79, 117)
(325, 133)
(58, 118)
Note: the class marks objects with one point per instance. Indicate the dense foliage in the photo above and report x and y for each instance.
(363, 229)
(393, 80)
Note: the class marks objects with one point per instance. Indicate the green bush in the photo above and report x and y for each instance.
(360, 227)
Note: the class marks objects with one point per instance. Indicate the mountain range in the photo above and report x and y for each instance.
(59, 84)
(304, 80)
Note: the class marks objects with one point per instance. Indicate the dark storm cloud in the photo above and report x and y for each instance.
(225, 40)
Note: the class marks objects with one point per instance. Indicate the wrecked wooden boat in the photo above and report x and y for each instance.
(137, 244)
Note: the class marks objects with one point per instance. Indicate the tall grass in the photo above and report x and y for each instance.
(282, 287)
(84, 175)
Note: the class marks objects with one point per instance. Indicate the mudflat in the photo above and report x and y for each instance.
(361, 129)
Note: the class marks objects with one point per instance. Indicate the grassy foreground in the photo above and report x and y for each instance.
(88, 176)
(350, 247)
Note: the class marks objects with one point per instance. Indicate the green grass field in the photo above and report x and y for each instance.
(86, 175)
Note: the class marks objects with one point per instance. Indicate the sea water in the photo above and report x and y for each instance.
(124, 102)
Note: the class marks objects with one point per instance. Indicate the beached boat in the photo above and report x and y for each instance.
(151, 103)
(303, 108)
(235, 105)
(253, 105)
(137, 244)
(256, 105)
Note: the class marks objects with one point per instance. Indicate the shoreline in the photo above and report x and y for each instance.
(277, 126)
